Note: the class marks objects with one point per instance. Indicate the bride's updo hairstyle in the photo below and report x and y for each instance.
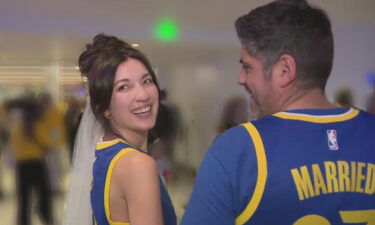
(99, 63)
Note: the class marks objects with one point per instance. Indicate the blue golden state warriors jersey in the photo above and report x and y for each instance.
(107, 154)
(299, 167)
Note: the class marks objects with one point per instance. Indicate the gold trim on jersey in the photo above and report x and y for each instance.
(351, 113)
(95, 222)
(108, 182)
(262, 175)
(105, 144)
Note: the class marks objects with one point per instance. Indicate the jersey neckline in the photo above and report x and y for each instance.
(319, 115)
(105, 144)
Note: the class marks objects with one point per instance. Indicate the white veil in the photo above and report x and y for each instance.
(78, 205)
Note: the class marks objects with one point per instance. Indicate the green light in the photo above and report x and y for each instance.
(166, 30)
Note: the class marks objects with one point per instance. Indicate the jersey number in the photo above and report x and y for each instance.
(359, 216)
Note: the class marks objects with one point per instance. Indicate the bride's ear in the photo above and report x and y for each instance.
(107, 115)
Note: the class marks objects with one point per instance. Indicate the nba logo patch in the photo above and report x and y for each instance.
(332, 140)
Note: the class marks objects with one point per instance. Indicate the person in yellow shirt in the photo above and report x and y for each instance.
(30, 142)
(55, 131)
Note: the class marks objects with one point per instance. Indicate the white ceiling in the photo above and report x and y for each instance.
(45, 31)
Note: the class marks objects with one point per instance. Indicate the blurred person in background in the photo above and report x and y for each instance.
(371, 102)
(163, 136)
(344, 98)
(72, 117)
(235, 112)
(111, 149)
(30, 142)
(53, 117)
(4, 135)
(306, 161)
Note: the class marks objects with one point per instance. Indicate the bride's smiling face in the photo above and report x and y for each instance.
(135, 99)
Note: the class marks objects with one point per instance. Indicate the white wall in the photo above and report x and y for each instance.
(354, 57)
(200, 88)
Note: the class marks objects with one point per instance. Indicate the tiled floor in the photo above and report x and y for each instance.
(179, 189)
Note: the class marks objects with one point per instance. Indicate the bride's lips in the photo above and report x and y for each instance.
(141, 110)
